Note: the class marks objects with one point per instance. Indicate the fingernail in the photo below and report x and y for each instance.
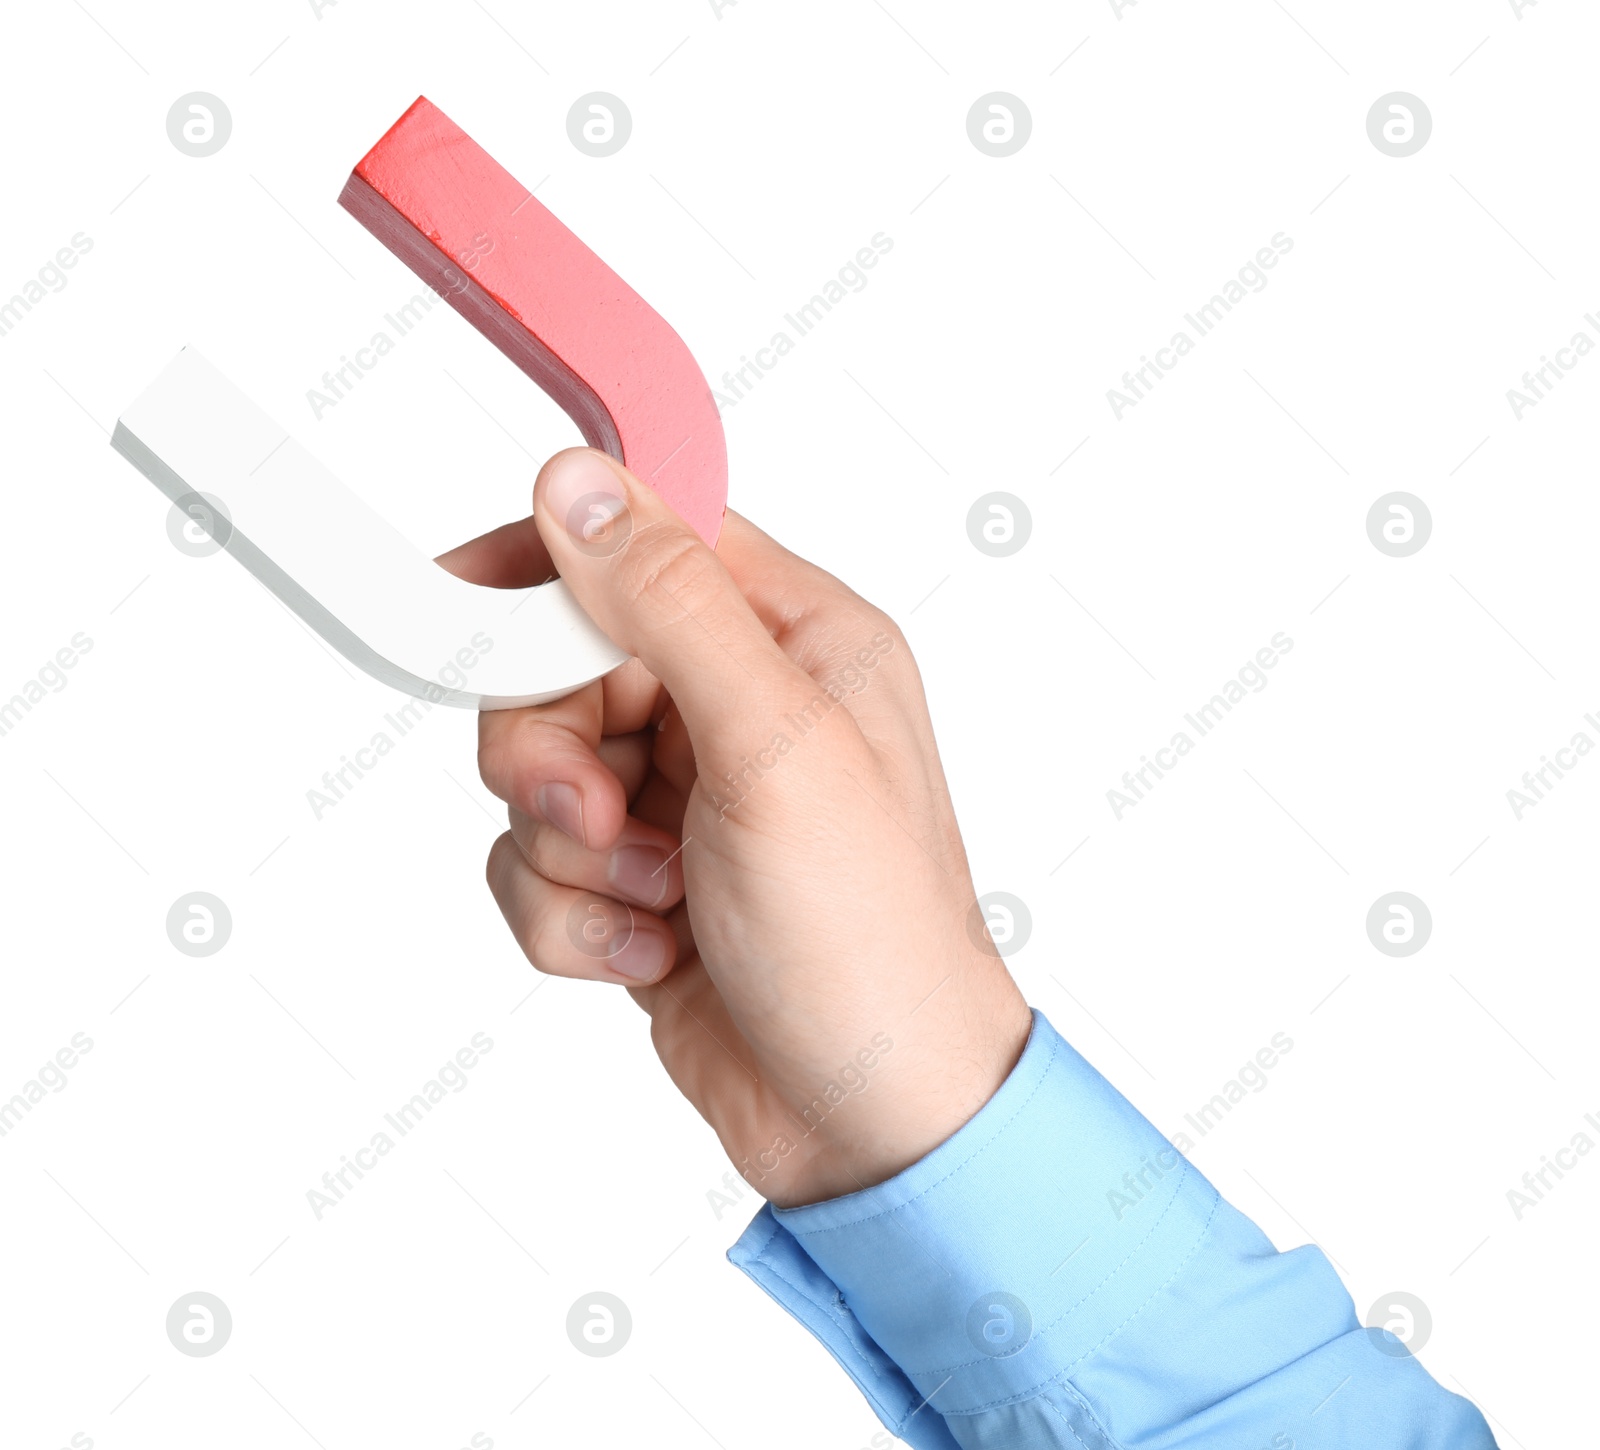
(640, 873)
(640, 957)
(587, 497)
(561, 804)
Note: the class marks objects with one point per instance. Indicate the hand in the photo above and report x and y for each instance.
(747, 825)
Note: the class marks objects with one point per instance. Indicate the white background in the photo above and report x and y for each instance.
(769, 144)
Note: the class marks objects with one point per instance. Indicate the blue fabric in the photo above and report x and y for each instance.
(1014, 1289)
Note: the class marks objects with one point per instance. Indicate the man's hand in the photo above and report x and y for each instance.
(747, 825)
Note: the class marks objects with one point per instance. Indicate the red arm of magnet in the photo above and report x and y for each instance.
(474, 233)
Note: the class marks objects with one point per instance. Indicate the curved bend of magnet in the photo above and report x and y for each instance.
(431, 195)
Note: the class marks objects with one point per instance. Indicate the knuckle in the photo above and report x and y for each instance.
(863, 630)
(525, 906)
(877, 624)
(494, 870)
(506, 760)
(540, 936)
(491, 761)
(665, 560)
(513, 762)
(532, 836)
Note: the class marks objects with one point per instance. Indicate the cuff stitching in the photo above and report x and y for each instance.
(1060, 1415)
(1194, 1248)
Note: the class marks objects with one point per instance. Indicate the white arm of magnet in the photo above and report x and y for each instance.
(349, 574)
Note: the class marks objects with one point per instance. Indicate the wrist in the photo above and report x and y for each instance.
(932, 1085)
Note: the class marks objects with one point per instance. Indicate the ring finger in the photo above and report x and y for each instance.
(568, 932)
(643, 868)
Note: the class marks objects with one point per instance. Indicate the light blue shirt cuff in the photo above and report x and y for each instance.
(1057, 1274)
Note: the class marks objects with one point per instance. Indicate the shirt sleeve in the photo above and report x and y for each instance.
(1057, 1274)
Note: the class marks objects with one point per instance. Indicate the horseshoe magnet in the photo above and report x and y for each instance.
(475, 235)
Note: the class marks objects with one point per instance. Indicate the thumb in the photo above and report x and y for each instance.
(660, 592)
